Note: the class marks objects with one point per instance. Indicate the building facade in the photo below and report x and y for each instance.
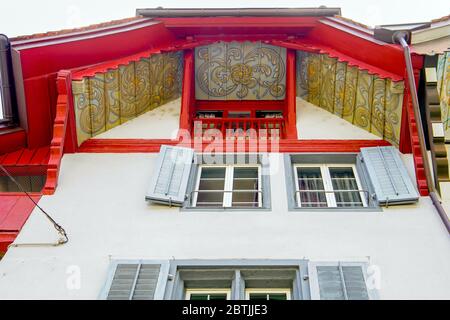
(223, 154)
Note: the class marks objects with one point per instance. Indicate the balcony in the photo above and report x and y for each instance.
(239, 128)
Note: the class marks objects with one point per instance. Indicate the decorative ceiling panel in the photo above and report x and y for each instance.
(111, 98)
(240, 71)
(365, 100)
(443, 86)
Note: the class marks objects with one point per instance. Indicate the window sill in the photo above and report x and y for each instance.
(7, 127)
(221, 209)
(364, 209)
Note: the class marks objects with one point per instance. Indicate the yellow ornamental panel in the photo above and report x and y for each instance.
(170, 76)
(97, 103)
(80, 91)
(228, 68)
(180, 68)
(249, 72)
(156, 80)
(127, 92)
(314, 79)
(302, 74)
(445, 91)
(393, 113)
(351, 80)
(142, 74)
(328, 76)
(378, 108)
(112, 99)
(339, 89)
(363, 106)
(240, 71)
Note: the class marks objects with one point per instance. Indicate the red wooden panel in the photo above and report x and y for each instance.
(26, 156)
(12, 158)
(41, 156)
(15, 218)
(6, 238)
(285, 145)
(12, 140)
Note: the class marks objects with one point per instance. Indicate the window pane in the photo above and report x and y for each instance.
(212, 182)
(310, 183)
(245, 180)
(344, 179)
(247, 172)
(218, 296)
(277, 296)
(267, 296)
(258, 296)
(199, 297)
(205, 296)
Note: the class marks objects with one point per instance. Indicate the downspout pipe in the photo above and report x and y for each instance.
(6, 79)
(402, 37)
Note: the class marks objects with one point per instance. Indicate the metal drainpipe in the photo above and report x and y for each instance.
(400, 37)
(6, 79)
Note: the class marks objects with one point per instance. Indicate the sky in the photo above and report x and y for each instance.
(21, 17)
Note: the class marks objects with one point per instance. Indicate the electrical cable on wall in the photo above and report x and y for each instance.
(61, 231)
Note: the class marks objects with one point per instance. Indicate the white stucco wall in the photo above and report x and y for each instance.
(100, 202)
(314, 122)
(159, 123)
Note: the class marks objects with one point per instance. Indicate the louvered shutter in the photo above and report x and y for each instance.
(337, 281)
(171, 175)
(136, 281)
(388, 175)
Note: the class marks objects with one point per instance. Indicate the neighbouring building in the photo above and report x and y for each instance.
(211, 154)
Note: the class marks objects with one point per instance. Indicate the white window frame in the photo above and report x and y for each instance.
(268, 291)
(208, 292)
(228, 184)
(327, 182)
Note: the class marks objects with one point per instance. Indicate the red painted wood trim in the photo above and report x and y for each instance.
(15, 208)
(239, 22)
(12, 139)
(291, 118)
(240, 105)
(285, 145)
(316, 47)
(6, 238)
(59, 131)
(186, 94)
(71, 140)
(415, 145)
(114, 64)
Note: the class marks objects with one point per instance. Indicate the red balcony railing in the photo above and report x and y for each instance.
(243, 128)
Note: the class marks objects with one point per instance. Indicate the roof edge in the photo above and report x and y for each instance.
(81, 30)
(237, 12)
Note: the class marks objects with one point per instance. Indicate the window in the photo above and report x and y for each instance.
(268, 294)
(228, 186)
(208, 294)
(331, 185)
(184, 178)
(245, 279)
(374, 177)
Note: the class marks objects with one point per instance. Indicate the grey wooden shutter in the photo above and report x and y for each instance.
(388, 175)
(171, 175)
(338, 281)
(137, 281)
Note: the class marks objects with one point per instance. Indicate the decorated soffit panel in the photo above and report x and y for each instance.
(240, 71)
(365, 100)
(110, 98)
